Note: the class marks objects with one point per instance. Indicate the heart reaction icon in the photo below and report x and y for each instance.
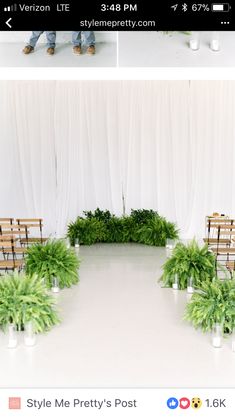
(184, 403)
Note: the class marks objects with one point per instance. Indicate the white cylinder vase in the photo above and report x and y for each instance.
(190, 288)
(29, 334)
(12, 336)
(215, 42)
(217, 335)
(77, 247)
(175, 284)
(55, 285)
(194, 42)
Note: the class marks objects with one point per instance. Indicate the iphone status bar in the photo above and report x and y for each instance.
(101, 15)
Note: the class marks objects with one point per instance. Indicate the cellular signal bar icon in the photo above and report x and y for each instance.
(12, 8)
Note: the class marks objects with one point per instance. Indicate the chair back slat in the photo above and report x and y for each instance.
(12, 232)
(8, 220)
(26, 220)
(12, 226)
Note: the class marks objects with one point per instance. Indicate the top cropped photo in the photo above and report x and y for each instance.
(117, 49)
(177, 49)
(58, 49)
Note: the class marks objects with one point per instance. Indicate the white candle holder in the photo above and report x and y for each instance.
(55, 285)
(12, 336)
(29, 334)
(215, 42)
(77, 246)
(190, 288)
(217, 335)
(175, 285)
(194, 42)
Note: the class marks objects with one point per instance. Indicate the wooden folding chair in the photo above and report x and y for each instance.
(31, 223)
(225, 254)
(18, 249)
(212, 225)
(7, 246)
(18, 231)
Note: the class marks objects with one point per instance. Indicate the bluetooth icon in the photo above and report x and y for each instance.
(184, 7)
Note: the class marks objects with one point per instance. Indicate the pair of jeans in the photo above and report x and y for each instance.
(51, 37)
(89, 38)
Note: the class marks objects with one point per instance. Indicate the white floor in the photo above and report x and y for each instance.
(155, 49)
(120, 328)
(11, 56)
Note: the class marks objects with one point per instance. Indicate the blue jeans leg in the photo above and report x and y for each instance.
(89, 37)
(34, 38)
(76, 38)
(51, 38)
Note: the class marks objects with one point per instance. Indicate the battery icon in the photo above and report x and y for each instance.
(220, 7)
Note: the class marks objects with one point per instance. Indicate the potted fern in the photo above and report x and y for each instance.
(189, 261)
(24, 299)
(53, 260)
(213, 304)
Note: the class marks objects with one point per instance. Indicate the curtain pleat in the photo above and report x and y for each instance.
(70, 146)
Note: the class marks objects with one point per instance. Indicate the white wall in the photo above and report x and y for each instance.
(61, 36)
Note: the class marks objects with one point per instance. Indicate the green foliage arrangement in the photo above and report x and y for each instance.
(143, 216)
(213, 303)
(23, 299)
(88, 231)
(99, 215)
(143, 226)
(155, 232)
(189, 261)
(53, 259)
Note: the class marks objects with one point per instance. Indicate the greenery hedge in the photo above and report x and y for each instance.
(142, 226)
(189, 261)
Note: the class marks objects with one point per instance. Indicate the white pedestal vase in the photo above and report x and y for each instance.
(217, 336)
(12, 336)
(29, 334)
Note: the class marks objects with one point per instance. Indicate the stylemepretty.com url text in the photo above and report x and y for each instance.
(114, 24)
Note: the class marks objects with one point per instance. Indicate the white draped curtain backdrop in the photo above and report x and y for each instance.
(70, 146)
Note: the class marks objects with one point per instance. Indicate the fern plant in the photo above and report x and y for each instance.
(142, 216)
(213, 303)
(100, 215)
(87, 231)
(189, 261)
(53, 259)
(23, 299)
(143, 225)
(156, 231)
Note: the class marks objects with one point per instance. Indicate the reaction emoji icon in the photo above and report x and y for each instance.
(184, 403)
(196, 403)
